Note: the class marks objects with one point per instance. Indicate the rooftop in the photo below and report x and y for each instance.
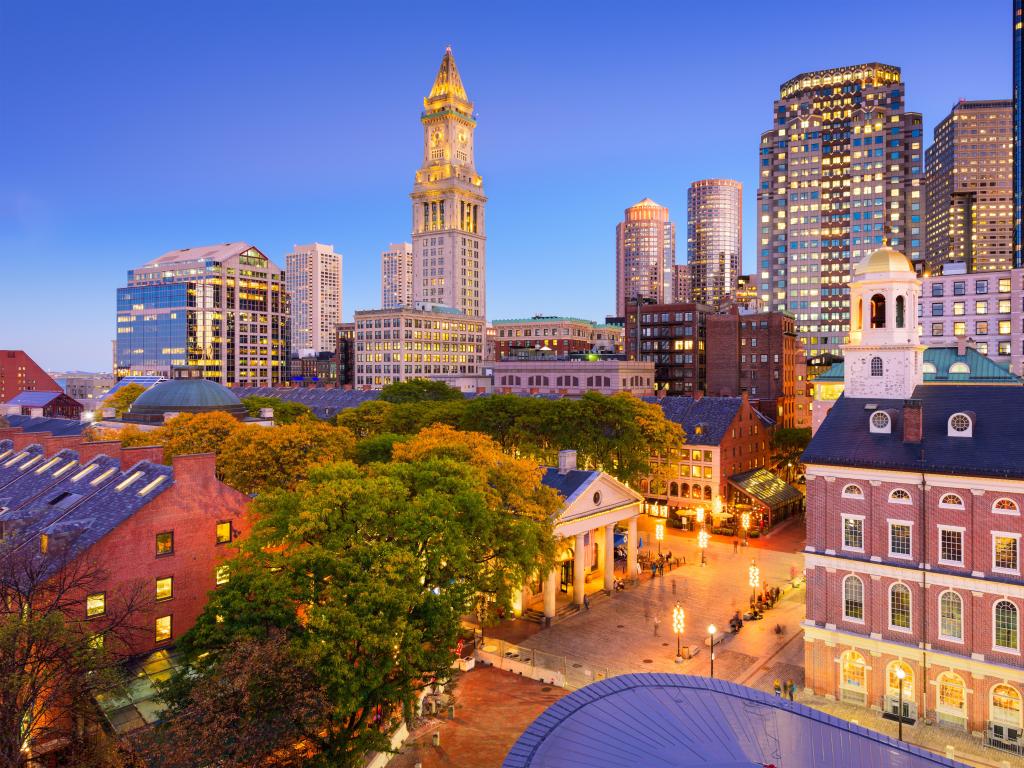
(33, 399)
(193, 395)
(220, 252)
(938, 368)
(706, 419)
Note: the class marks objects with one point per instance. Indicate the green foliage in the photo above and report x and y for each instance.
(122, 400)
(377, 448)
(285, 411)
(791, 439)
(418, 391)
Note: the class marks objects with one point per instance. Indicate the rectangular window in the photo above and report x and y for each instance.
(959, 288)
(937, 329)
(899, 607)
(223, 574)
(981, 307)
(853, 533)
(1004, 285)
(936, 289)
(936, 310)
(981, 286)
(959, 308)
(1004, 327)
(163, 629)
(165, 543)
(951, 546)
(1004, 552)
(899, 539)
(224, 532)
(164, 588)
(959, 328)
(981, 327)
(95, 604)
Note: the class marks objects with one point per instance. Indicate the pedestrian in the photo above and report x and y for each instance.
(657, 623)
(777, 686)
(735, 546)
(791, 689)
(673, 586)
(654, 569)
(586, 601)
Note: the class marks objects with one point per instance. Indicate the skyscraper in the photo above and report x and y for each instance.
(645, 254)
(841, 173)
(714, 238)
(970, 188)
(313, 279)
(396, 276)
(682, 284)
(1018, 132)
(219, 310)
(448, 240)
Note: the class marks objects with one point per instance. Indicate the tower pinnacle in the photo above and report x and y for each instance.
(448, 91)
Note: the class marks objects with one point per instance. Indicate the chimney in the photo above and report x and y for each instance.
(913, 421)
(662, 393)
(961, 345)
(698, 395)
(566, 462)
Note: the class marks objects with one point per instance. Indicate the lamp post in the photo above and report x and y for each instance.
(900, 674)
(711, 631)
(755, 579)
(659, 534)
(702, 537)
(678, 625)
(745, 520)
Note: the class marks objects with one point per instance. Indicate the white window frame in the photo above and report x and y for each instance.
(910, 525)
(1001, 648)
(944, 505)
(1015, 513)
(943, 707)
(859, 495)
(938, 548)
(951, 638)
(910, 607)
(863, 532)
(992, 705)
(1005, 535)
(863, 598)
(909, 500)
(950, 432)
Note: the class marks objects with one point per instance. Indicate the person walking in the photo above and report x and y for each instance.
(735, 546)
(586, 601)
(790, 689)
(777, 686)
(657, 623)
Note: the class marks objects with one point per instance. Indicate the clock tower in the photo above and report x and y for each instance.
(448, 235)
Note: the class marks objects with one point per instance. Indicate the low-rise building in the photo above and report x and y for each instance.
(560, 335)
(47, 404)
(89, 389)
(20, 373)
(673, 337)
(572, 376)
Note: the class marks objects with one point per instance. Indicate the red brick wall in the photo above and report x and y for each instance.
(20, 373)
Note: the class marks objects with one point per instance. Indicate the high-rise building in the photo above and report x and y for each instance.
(842, 173)
(313, 279)
(448, 233)
(645, 254)
(714, 238)
(396, 276)
(1018, 132)
(221, 310)
(970, 188)
(682, 284)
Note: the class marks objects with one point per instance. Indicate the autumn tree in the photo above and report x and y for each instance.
(367, 420)
(376, 448)
(189, 433)
(285, 411)
(122, 400)
(418, 391)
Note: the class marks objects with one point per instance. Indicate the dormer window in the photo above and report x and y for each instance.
(928, 367)
(880, 422)
(959, 368)
(960, 424)
(876, 366)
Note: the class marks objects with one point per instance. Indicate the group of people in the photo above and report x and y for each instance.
(761, 602)
(785, 690)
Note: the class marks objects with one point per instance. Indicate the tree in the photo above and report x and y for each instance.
(367, 570)
(418, 390)
(254, 459)
(367, 420)
(377, 448)
(122, 400)
(788, 444)
(52, 661)
(285, 411)
(190, 433)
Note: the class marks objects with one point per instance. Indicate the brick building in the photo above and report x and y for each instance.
(47, 404)
(757, 354)
(572, 376)
(20, 373)
(672, 336)
(561, 335)
(914, 496)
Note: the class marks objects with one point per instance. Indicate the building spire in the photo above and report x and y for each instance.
(448, 89)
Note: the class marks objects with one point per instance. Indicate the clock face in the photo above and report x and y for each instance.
(463, 137)
(436, 137)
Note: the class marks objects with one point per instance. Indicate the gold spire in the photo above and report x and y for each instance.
(448, 90)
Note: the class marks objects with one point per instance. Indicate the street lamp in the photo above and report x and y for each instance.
(745, 520)
(755, 579)
(659, 534)
(700, 515)
(900, 674)
(711, 631)
(678, 625)
(702, 542)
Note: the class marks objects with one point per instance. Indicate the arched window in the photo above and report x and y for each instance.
(1006, 705)
(960, 425)
(899, 606)
(878, 311)
(853, 598)
(1004, 626)
(892, 680)
(876, 366)
(1006, 507)
(853, 670)
(951, 615)
(951, 501)
(696, 492)
(952, 696)
(684, 490)
(853, 492)
(858, 320)
(673, 489)
(928, 367)
(900, 302)
(900, 496)
(645, 486)
(880, 422)
(959, 367)
(707, 493)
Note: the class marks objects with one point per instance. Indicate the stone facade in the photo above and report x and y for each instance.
(563, 376)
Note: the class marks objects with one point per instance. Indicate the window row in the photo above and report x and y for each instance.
(1001, 506)
(96, 602)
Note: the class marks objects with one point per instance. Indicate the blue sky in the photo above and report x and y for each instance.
(129, 129)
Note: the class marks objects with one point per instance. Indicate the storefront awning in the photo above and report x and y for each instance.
(767, 487)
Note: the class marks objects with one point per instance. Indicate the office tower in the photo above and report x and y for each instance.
(714, 238)
(448, 240)
(396, 276)
(219, 310)
(1018, 132)
(970, 188)
(682, 284)
(841, 173)
(313, 279)
(645, 253)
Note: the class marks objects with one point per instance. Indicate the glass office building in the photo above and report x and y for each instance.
(219, 310)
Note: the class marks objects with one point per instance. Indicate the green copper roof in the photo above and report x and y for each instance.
(937, 364)
(547, 319)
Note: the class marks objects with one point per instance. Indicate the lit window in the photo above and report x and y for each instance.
(1005, 625)
(165, 543)
(1004, 552)
(96, 642)
(1006, 507)
(128, 481)
(951, 616)
(952, 693)
(853, 492)
(900, 496)
(899, 539)
(163, 629)
(224, 532)
(84, 473)
(151, 485)
(95, 604)
(951, 546)
(223, 574)
(853, 598)
(1006, 709)
(100, 478)
(951, 501)
(164, 588)
(899, 607)
(853, 670)
(853, 533)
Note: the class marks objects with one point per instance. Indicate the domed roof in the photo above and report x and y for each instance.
(885, 259)
(184, 396)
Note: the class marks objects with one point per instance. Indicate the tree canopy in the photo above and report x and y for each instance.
(418, 391)
(285, 411)
(122, 400)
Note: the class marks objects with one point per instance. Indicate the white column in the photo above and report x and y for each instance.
(579, 584)
(550, 591)
(631, 549)
(609, 557)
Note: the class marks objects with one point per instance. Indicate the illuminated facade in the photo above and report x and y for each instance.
(1018, 132)
(394, 345)
(396, 276)
(714, 238)
(841, 173)
(448, 232)
(219, 309)
(645, 254)
(682, 284)
(313, 280)
(970, 188)
(559, 335)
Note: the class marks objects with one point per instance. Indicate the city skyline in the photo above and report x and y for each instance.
(185, 167)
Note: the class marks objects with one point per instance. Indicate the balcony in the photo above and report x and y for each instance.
(1006, 737)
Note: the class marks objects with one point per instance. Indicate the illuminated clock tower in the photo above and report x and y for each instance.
(448, 234)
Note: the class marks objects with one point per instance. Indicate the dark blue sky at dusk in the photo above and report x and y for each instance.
(128, 129)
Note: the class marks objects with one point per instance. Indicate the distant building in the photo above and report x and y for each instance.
(20, 373)
(673, 337)
(346, 354)
(396, 276)
(432, 342)
(1018, 133)
(169, 398)
(714, 239)
(746, 294)
(558, 335)
(645, 254)
(543, 375)
(89, 389)
(970, 188)
(49, 405)
(314, 282)
(221, 310)
(682, 284)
